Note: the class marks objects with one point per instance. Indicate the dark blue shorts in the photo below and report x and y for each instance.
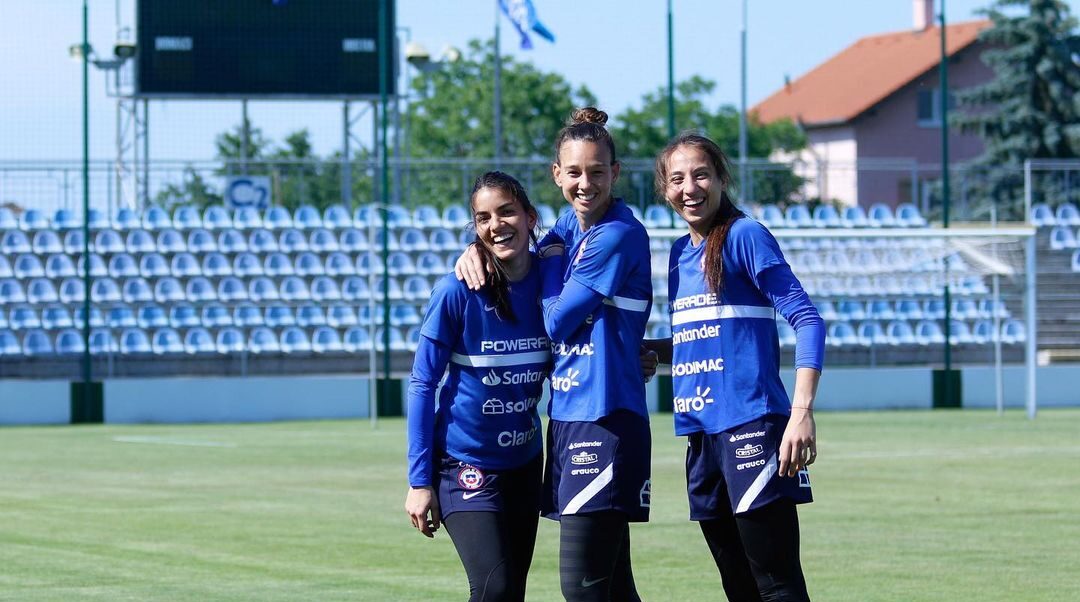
(598, 466)
(736, 471)
(465, 488)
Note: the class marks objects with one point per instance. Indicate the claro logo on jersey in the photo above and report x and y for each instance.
(565, 349)
(515, 438)
(696, 403)
(515, 345)
(567, 381)
(509, 377)
(698, 367)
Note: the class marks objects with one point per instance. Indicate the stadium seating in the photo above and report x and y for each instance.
(37, 342)
(295, 340)
(1067, 214)
(307, 218)
(187, 218)
(8, 221)
(337, 217)
(247, 218)
(1062, 237)
(907, 215)
(46, 241)
(216, 217)
(156, 218)
(69, 342)
(1076, 261)
(229, 340)
(1042, 215)
(32, 219)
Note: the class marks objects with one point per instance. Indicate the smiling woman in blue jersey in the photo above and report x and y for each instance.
(748, 444)
(475, 462)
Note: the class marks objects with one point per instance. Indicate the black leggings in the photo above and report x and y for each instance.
(594, 558)
(496, 549)
(757, 553)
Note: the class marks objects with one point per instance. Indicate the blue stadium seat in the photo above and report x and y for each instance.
(295, 340)
(231, 289)
(230, 240)
(262, 241)
(69, 341)
(355, 288)
(310, 315)
(168, 290)
(140, 241)
(841, 334)
(54, 317)
(853, 217)
(393, 243)
(120, 316)
(73, 242)
(154, 265)
(23, 317)
(63, 219)
(37, 343)
(8, 221)
(1013, 332)
(262, 288)
(929, 333)
(368, 316)
(247, 264)
(262, 340)
(353, 241)
(934, 309)
(989, 308)
(229, 340)
(122, 265)
(394, 288)
(443, 240)
(137, 290)
(216, 315)
(47, 241)
(337, 217)
(28, 266)
(1042, 215)
(7, 272)
(185, 265)
(98, 220)
(356, 339)
(900, 333)
(187, 218)
(909, 309)
(851, 311)
(826, 216)
(326, 340)
(292, 241)
(772, 217)
(413, 240)
(166, 341)
(880, 309)
(216, 217)
(398, 217)
(871, 334)
(41, 290)
(151, 316)
(126, 219)
(880, 216)
(827, 310)
(368, 263)
(1062, 237)
(960, 333)
(102, 341)
(247, 218)
(134, 341)
(278, 264)
(97, 266)
(657, 216)
(412, 339)
(982, 332)
(308, 264)
(400, 264)
(216, 265)
(184, 315)
(430, 264)
(456, 216)
(9, 343)
(105, 290)
(907, 215)
(324, 288)
(402, 314)
(366, 215)
(798, 216)
(426, 216)
(200, 290)
(201, 240)
(307, 218)
(339, 264)
(170, 241)
(97, 320)
(277, 218)
(341, 316)
(397, 342)
(34, 219)
(323, 241)
(72, 290)
(247, 315)
(156, 218)
(293, 288)
(465, 237)
(1075, 261)
(416, 288)
(1066, 214)
(15, 241)
(198, 341)
(965, 309)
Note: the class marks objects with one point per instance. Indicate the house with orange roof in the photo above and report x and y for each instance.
(872, 113)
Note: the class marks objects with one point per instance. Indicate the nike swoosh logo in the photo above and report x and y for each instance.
(586, 582)
(489, 307)
(470, 495)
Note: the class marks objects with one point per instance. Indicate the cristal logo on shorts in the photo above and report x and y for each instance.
(749, 451)
(583, 458)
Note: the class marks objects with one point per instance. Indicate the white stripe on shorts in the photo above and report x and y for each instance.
(721, 312)
(590, 490)
(757, 486)
(507, 359)
(628, 303)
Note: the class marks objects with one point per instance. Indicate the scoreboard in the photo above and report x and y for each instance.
(261, 48)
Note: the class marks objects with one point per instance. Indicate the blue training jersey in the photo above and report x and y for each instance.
(487, 407)
(726, 353)
(597, 369)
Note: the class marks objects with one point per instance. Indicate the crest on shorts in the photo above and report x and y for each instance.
(470, 477)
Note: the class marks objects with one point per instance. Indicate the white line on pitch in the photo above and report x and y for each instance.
(167, 441)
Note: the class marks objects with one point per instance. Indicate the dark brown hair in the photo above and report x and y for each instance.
(498, 284)
(586, 124)
(724, 217)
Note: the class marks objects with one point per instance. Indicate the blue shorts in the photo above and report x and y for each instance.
(598, 466)
(737, 470)
(463, 487)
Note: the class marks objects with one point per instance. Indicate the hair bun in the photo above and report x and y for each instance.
(588, 115)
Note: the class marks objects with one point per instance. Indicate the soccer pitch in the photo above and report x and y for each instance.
(944, 505)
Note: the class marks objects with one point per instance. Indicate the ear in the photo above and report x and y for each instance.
(533, 218)
(556, 174)
(615, 172)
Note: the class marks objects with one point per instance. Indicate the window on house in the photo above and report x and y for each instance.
(928, 107)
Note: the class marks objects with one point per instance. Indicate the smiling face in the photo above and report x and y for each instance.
(586, 176)
(503, 226)
(693, 189)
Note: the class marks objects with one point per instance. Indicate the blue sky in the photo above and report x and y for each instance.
(615, 47)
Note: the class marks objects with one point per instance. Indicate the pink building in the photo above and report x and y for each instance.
(872, 112)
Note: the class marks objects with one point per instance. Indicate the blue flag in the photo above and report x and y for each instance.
(523, 15)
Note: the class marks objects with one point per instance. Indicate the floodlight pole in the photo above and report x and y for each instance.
(670, 71)
(744, 184)
(944, 70)
(86, 369)
(384, 170)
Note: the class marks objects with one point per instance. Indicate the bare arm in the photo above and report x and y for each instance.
(798, 448)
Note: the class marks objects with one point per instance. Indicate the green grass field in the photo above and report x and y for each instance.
(947, 505)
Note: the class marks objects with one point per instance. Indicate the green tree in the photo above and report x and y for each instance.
(1031, 109)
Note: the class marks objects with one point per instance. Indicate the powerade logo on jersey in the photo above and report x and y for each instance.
(515, 345)
(689, 335)
(515, 438)
(566, 382)
(584, 457)
(696, 403)
(749, 451)
(703, 300)
(565, 349)
(510, 378)
(495, 406)
(697, 367)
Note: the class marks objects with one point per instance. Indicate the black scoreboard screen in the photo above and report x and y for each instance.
(261, 48)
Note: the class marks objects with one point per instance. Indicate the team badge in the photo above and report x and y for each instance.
(470, 477)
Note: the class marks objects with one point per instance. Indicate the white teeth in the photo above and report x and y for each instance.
(500, 238)
(693, 202)
(586, 197)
